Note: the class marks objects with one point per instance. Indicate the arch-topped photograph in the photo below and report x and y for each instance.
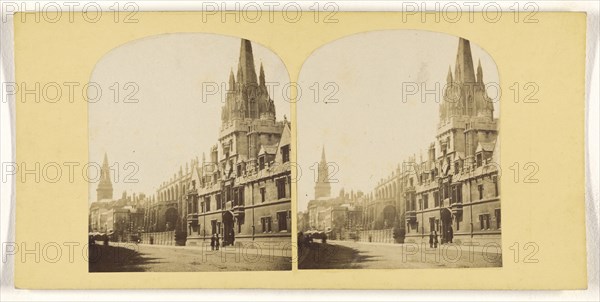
(193, 129)
(410, 122)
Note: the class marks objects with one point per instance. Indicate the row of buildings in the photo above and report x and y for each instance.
(242, 191)
(453, 192)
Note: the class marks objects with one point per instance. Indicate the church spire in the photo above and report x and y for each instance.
(105, 189)
(246, 64)
(463, 71)
(449, 76)
(322, 186)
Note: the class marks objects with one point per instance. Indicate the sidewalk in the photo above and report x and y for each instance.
(490, 248)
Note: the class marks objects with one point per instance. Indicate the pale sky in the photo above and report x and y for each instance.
(369, 131)
(170, 124)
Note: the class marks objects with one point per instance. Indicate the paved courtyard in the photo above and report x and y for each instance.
(131, 257)
(360, 255)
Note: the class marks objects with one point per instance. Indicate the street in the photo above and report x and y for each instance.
(360, 255)
(131, 257)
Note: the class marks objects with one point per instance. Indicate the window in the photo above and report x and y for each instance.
(495, 181)
(282, 221)
(266, 224)
(425, 201)
(219, 203)
(456, 167)
(479, 160)
(457, 193)
(498, 218)
(281, 188)
(431, 224)
(484, 221)
(436, 199)
(239, 170)
(240, 196)
(261, 162)
(480, 189)
(263, 194)
(213, 224)
(285, 153)
(207, 203)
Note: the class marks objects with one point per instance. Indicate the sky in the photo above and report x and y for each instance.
(166, 121)
(369, 129)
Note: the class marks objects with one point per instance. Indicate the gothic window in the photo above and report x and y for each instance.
(498, 221)
(495, 181)
(207, 203)
(282, 221)
(285, 153)
(219, 202)
(480, 189)
(484, 221)
(263, 194)
(281, 191)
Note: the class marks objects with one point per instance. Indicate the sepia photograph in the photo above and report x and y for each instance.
(401, 136)
(191, 144)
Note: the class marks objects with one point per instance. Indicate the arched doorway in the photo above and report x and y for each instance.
(389, 216)
(171, 217)
(227, 228)
(446, 218)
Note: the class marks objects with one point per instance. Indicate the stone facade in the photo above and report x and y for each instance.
(243, 191)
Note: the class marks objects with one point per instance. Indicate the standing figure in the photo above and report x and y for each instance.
(217, 242)
(431, 239)
(435, 239)
(212, 242)
(450, 234)
(232, 237)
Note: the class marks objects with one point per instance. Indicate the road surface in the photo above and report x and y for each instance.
(131, 257)
(360, 255)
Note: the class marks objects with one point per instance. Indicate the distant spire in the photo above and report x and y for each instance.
(463, 71)
(105, 189)
(449, 77)
(322, 186)
(246, 63)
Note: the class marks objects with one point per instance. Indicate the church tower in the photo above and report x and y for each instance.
(105, 189)
(466, 112)
(322, 186)
(248, 116)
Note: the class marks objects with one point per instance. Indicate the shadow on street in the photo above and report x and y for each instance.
(116, 259)
(330, 256)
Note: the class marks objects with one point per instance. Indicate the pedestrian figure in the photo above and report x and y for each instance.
(431, 239)
(435, 239)
(212, 242)
(217, 242)
(232, 237)
(450, 234)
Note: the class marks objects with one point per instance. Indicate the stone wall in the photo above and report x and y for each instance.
(381, 236)
(159, 238)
